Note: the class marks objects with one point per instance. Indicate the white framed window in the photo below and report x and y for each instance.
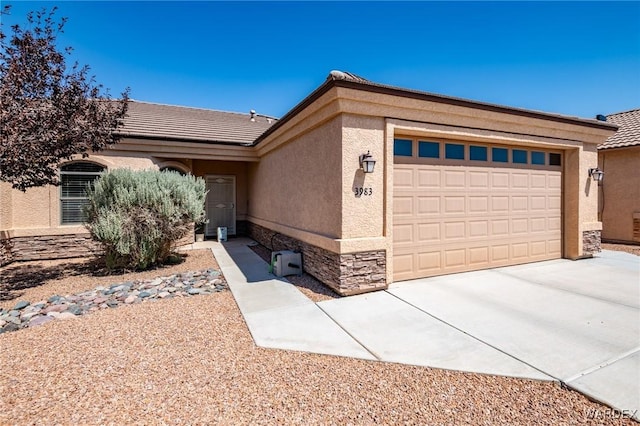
(74, 178)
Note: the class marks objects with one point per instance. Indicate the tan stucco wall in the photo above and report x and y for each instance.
(298, 185)
(363, 216)
(620, 191)
(37, 211)
(6, 207)
(231, 168)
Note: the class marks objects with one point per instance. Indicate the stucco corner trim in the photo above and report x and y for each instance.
(592, 226)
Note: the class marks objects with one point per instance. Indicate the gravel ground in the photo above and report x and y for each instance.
(192, 361)
(308, 285)
(628, 248)
(39, 280)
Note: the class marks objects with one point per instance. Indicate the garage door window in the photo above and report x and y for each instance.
(478, 153)
(519, 156)
(403, 147)
(537, 158)
(428, 149)
(454, 151)
(499, 155)
(554, 159)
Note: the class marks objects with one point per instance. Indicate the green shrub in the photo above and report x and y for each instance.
(136, 215)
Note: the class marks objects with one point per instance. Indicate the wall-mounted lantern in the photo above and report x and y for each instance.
(367, 163)
(596, 174)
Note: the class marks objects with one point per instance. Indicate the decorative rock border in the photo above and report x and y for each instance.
(25, 314)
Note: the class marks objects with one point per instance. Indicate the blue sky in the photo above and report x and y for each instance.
(574, 58)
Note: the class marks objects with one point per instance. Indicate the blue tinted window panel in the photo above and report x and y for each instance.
(537, 158)
(478, 153)
(499, 155)
(454, 151)
(428, 149)
(403, 147)
(554, 159)
(519, 156)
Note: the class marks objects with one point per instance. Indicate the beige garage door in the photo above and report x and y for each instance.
(474, 214)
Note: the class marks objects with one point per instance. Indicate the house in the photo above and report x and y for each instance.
(619, 159)
(458, 185)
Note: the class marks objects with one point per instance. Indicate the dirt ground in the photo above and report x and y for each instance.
(627, 248)
(38, 280)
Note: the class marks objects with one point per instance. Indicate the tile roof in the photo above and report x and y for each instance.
(167, 122)
(628, 133)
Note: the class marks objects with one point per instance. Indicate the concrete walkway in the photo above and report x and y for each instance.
(576, 322)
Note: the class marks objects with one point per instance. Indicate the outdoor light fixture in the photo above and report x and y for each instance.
(367, 163)
(596, 174)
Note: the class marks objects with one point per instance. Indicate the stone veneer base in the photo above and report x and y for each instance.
(591, 242)
(51, 247)
(21, 249)
(346, 274)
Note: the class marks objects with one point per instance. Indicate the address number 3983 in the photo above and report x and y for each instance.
(363, 191)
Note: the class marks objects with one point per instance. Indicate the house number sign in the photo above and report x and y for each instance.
(362, 191)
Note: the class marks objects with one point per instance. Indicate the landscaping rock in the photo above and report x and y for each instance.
(55, 308)
(71, 306)
(66, 315)
(40, 320)
(21, 305)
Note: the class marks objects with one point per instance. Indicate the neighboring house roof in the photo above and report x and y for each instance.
(628, 133)
(349, 80)
(167, 122)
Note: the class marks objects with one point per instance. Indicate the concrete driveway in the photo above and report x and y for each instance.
(575, 322)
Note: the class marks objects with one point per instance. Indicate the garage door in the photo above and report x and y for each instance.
(461, 207)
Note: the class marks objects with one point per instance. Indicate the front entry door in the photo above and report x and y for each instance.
(221, 204)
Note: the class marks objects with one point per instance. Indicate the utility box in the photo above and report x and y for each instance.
(286, 262)
(222, 233)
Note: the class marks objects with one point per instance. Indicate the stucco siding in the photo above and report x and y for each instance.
(363, 215)
(299, 184)
(6, 206)
(620, 192)
(37, 211)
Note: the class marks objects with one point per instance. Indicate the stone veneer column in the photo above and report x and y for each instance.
(591, 242)
(346, 274)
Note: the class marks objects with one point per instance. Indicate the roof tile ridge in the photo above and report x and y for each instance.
(623, 112)
(189, 107)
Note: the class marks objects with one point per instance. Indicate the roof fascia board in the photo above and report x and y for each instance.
(414, 94)
(435, 113)
(160, 148)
